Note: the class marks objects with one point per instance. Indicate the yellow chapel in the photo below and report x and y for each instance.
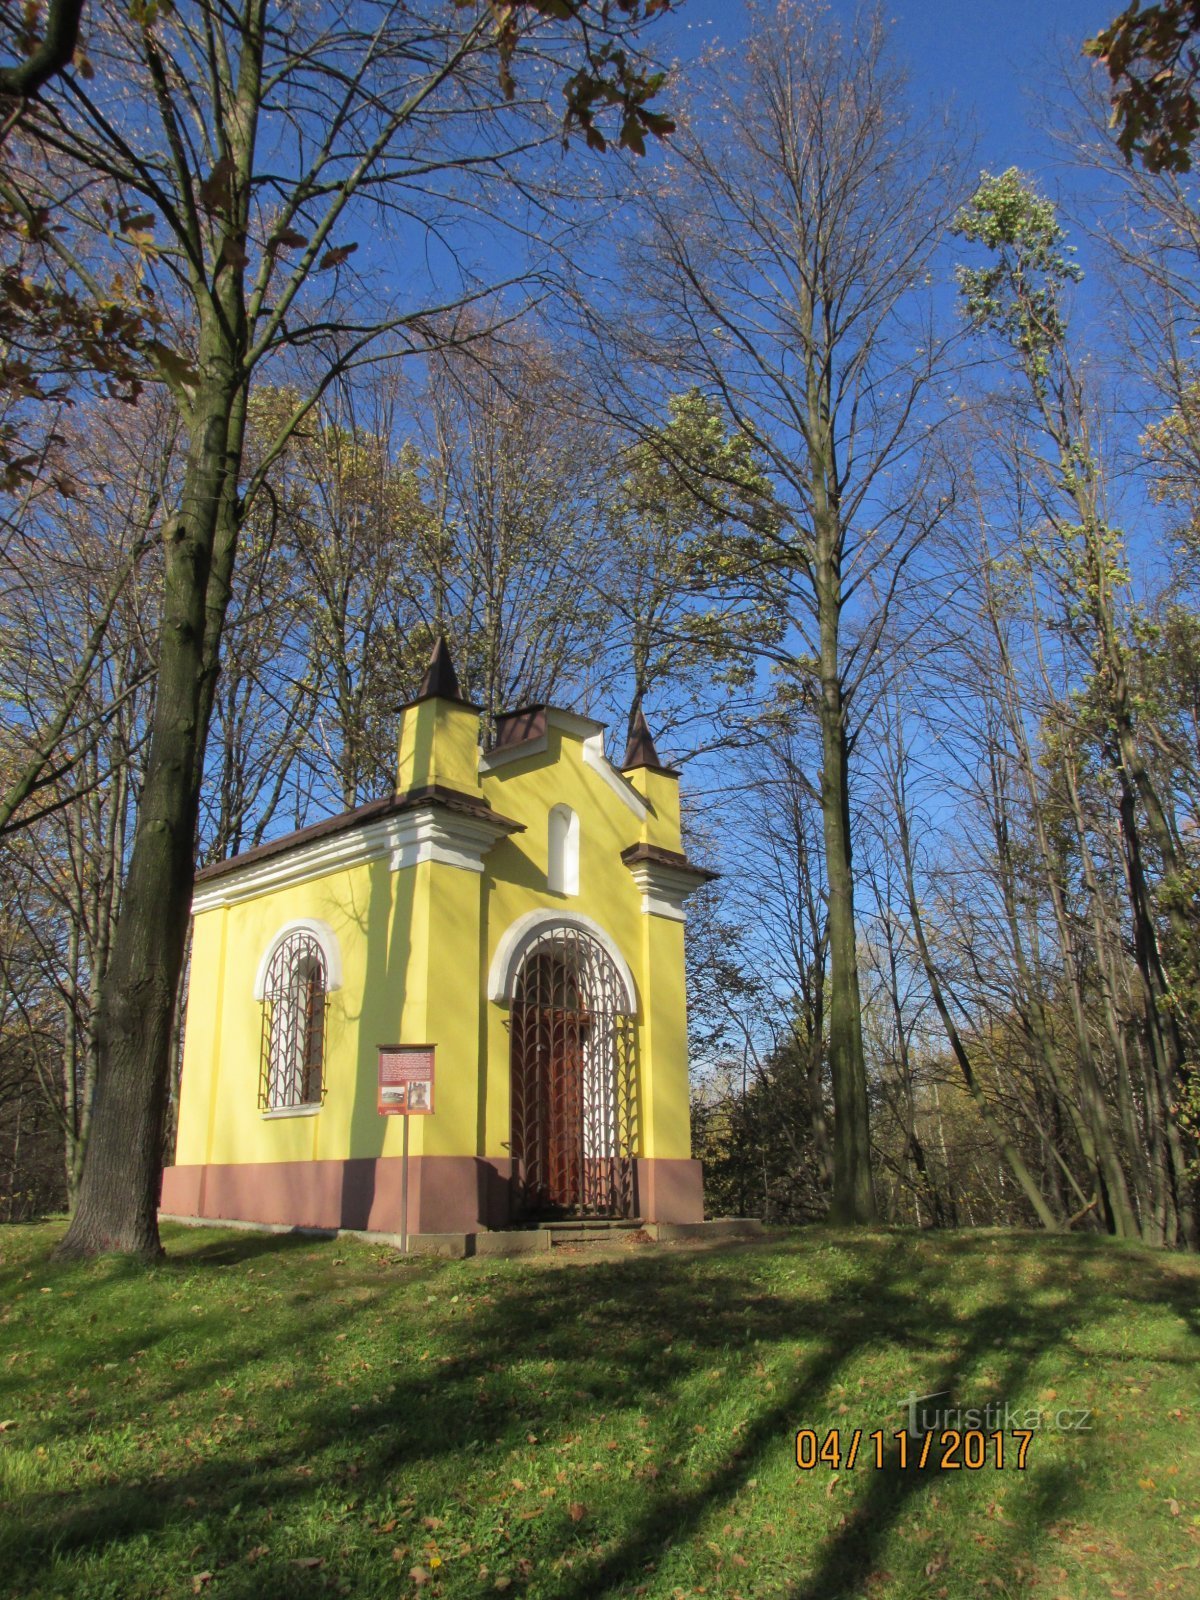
(494, 951)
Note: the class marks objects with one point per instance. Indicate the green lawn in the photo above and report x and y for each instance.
(272, 1415)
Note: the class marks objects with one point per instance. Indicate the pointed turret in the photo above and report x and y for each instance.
(657, 860)
(440, 681)
(658, 785)
(640, 751)
(439, 732)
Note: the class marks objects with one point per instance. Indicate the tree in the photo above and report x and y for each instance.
(1020, 298)
(59, 572)
(677, 494)
(1153, 64)
(241, 191)
(783, 256)
(513, 568)
(41, 58)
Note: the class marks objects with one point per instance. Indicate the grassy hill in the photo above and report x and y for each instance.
(273, 1415)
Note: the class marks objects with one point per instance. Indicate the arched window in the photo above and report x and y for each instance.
(294, 989)
(562, 868)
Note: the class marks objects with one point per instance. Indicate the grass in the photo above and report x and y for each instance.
(273, 1415)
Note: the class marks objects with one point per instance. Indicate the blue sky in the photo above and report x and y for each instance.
(997, 57)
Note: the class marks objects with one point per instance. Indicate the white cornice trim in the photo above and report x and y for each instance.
(518, 937)
(664, 888)
(571, 722)
(434, 834)
(429, 833)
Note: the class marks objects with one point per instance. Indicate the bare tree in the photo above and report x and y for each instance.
(783, 256)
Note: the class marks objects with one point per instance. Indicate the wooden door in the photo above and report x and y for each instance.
(571, 1113)
(547, 1077)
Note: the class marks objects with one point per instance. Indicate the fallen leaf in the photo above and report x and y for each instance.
(199, 1579)
(419, 1576)
(577, 1511)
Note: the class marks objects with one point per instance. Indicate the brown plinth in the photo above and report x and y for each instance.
(668, 1191)
(446, 1194)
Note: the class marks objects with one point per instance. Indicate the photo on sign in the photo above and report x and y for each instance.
(418, 1096)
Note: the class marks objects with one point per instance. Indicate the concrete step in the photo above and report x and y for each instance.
(588, 1230)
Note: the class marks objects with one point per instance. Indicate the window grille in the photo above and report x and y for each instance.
(574, 1103)
(293, 1025)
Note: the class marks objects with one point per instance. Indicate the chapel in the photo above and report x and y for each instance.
(509, 919)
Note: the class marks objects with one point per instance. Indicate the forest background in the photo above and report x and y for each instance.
(872, 480)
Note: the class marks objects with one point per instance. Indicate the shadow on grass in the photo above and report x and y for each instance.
(545, 1351)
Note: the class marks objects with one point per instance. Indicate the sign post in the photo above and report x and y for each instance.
(404, 1193)
(405, 1090)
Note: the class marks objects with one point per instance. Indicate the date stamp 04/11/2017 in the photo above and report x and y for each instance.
(945, 1450)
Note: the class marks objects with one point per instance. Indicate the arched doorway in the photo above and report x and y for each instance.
(573, 1082)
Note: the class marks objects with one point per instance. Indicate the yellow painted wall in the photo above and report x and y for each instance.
(416, 946)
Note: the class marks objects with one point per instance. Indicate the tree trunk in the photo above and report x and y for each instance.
(1006, 1146)
(853, 1195)
(118, 1190)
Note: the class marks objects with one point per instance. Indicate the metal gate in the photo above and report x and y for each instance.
(574, 1100)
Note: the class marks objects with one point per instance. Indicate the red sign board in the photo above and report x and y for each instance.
(405, 1080)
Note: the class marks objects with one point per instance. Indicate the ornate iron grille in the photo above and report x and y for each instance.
(574, 1102)
(293, 1028)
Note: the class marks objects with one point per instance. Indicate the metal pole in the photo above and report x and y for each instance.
(404, 1191)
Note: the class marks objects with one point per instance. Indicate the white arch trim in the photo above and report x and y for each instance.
(514, 944)
(325, 937)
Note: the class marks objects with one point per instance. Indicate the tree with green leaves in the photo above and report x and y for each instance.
(1019, 298)
(680, 492)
